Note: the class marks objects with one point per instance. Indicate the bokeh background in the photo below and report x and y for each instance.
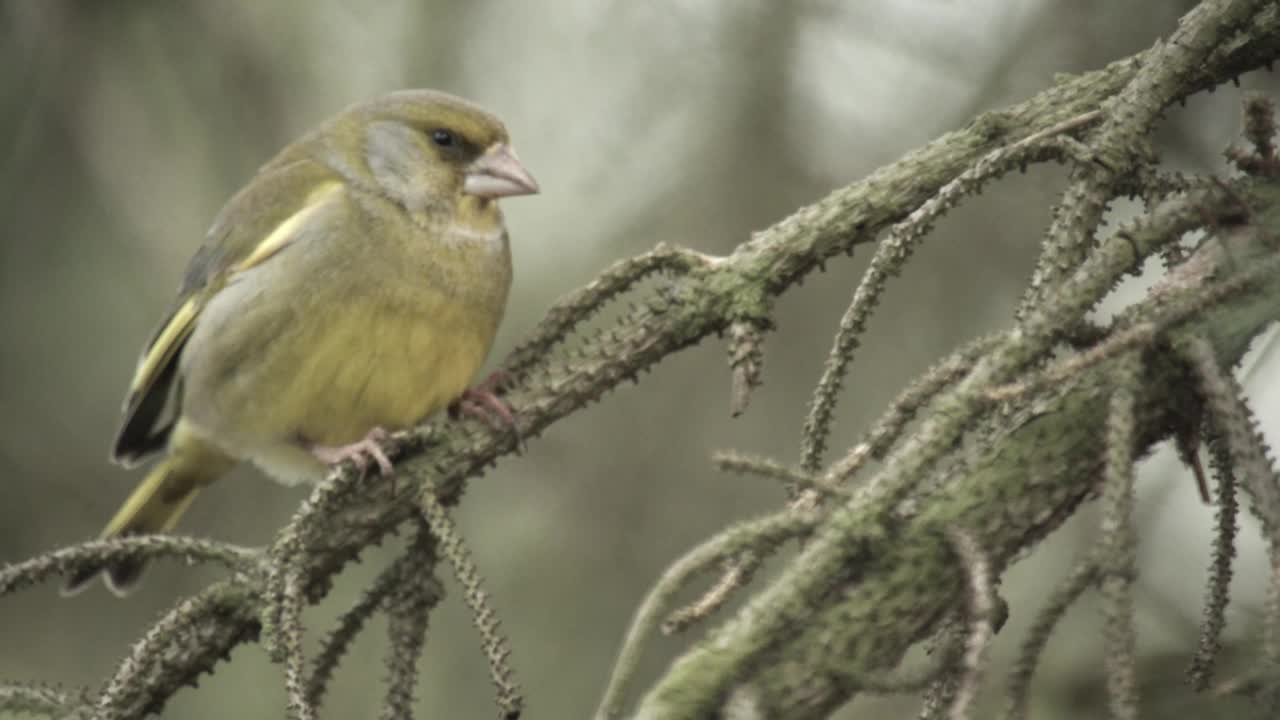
(125, 125)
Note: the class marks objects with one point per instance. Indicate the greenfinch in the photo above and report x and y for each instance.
(352, 288)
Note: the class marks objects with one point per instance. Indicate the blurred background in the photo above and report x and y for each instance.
(124, 126)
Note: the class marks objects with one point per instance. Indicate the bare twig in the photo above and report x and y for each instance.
(494, 644)
(1251, 461)
(1139, 336)
(47, 700)
(734, 462)
(1200, 672)
(292, 542)
(1084, 574)
(904, 408)
(1238, 429)
(295, 661)
(408, 606)
(737, 573)
(349, 625)
(982, 603)
(746, 358)
(69, 560)
(757, 536)
(1118, 540)
(581, 304)
(894, 251)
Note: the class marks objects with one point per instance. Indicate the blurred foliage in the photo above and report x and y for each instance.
(125, 125)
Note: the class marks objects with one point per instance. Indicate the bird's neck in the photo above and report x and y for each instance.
(476, 221)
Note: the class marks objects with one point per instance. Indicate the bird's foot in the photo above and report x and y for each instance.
(483, 403)
(360, 453)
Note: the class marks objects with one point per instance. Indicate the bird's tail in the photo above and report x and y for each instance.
(155, 506)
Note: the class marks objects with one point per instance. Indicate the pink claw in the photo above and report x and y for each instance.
(482, 402)
(485, 404)
(359, 452)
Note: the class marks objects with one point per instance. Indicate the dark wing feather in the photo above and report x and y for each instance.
(142, 432)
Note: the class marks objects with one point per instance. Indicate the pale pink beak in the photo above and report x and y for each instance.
(497, 174)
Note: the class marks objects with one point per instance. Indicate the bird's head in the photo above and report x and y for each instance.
(424, 148)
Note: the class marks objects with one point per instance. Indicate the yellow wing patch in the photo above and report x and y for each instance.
(167, 342)
(175, 332)
(284, 232)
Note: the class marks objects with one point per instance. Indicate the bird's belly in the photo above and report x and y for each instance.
(326, 373)
(390, 371)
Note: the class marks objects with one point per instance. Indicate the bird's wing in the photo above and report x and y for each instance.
(256, 224)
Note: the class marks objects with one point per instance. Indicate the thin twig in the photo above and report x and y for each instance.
(1270, 695)
(1200, 672)
(1084, 574)
(303, 531)
(736, 574)
(1234, 421)
(730, 461)
(982, 603)
(495, 646)
(1117, 542)
(1138, 336)
(890, 426)
(576, 307)
(408, 608)
(1251, 462)
(892, 253)
(295, 661)
(46, 700)
(69, 560)
(746, 360)
(756, 535)
(350, 623)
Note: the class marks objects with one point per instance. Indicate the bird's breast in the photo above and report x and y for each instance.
(411, 346)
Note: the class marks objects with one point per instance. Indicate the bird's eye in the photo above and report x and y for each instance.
(443, 138)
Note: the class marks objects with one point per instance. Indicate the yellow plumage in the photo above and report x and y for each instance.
(355, 285)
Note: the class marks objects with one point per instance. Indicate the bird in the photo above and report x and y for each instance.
(351, 288)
